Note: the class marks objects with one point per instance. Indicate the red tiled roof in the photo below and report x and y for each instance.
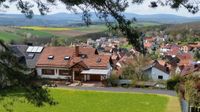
(60, 52)
(148, 44)
(149, 39)
(186, 70)
(185, 58)
(92, 62)
(174, 50)
(171, 46)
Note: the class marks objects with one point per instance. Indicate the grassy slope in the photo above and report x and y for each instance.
(46, 28)
(35, 32)
(91, 101)
(7, 36)
(95, 28)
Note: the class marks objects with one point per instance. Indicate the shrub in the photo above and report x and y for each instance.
(172, 83)
(111, 81)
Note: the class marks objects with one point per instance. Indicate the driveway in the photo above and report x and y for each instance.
(120, 89)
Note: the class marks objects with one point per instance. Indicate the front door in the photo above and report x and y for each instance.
(79, 76)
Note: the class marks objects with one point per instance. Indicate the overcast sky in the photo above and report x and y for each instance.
(138, 9)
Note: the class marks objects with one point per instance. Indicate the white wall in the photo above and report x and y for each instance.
(156, 72)
(56, 76)
(164, 50)
(110, 71)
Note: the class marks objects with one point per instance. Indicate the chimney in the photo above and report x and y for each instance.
(77, 50)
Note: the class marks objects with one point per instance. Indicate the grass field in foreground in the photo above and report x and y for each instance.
(91, 101)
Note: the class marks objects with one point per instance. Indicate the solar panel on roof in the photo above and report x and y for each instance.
(29, 49)
(34, 49)
(39, 50)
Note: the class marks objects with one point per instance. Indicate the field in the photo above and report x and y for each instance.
(18, 34)
(91, 101)
(45, 28)
(38, 33)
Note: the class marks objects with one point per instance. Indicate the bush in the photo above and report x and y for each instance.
(172, 83)
(111, 81)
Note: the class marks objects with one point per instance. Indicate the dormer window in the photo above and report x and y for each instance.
(98, 60)
(50, 57)
(83, 56)
(66, 58)
(31, 55)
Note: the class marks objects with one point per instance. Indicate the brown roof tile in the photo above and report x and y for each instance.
(92, 60)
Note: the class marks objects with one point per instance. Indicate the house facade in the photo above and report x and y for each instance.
(75, 63)
(156, 72)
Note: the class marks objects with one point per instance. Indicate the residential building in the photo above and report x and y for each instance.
(27, 55)
(157, 71)
(73, 63)
(185, 59)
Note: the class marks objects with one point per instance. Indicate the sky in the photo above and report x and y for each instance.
(142, 9)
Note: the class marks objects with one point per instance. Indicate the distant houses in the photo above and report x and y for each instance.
(95, 60)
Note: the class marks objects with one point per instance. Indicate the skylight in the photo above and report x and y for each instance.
(34, 49)
(50, 57)
(66, 58)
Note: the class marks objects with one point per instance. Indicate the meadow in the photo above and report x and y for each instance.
(46, 28)
(93, 101)
(21, 33)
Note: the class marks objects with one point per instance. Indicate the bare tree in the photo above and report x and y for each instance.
(134, 69)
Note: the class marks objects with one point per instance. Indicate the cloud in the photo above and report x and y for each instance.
(145, 9)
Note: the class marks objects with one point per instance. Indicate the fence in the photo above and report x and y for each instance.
(194, 109)
(186, 108)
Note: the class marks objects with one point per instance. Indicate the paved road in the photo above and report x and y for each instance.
(120, 89)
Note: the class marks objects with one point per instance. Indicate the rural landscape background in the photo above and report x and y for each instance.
(122, 60)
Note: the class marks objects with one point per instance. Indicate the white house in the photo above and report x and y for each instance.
(83, 64)
(156, 72)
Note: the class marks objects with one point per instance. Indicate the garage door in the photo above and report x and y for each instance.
(95, 78)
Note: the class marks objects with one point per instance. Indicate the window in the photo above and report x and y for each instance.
(63, 72)
(50, 57)
(160, 77)
(30, 55)
(48, 71)
(66, 58)
(83, 56)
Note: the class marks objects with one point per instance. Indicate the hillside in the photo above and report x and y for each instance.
(192, 26)
(64, 19)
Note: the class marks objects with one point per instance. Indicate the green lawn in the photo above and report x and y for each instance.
(91, 101)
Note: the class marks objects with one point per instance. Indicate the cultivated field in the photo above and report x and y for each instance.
(91, 101)
(18, 34)
(45, 28)
(38, 33)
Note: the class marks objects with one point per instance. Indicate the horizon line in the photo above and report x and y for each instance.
(94, 12)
